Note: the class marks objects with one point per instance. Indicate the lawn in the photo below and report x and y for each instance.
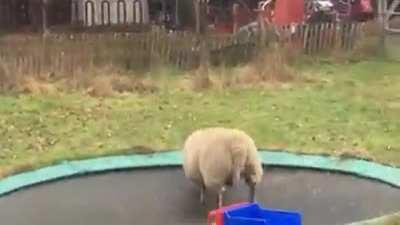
(347, 110)
(391, 219)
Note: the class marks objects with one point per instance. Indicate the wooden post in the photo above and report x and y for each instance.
(177, 22)
(164, 11)
(263, 30)
(380, 16)
(235, 15)
(202, 32)
(382, 23)
(13, 17)
(198, 16)
(44, 17)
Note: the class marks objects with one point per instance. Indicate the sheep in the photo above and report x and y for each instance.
(215, 158)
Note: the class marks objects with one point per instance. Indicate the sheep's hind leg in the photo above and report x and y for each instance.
(221, 196)
(202, 195)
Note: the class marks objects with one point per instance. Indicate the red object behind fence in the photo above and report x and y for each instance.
(362, 7)
(288, 11)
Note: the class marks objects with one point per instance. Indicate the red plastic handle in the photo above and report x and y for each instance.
(216, 216)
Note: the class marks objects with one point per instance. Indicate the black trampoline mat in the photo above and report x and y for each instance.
(163, 196)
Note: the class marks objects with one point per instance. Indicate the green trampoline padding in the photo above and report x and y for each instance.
(387, 174)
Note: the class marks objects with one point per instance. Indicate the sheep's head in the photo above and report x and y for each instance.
(254, 173)
(253, 176)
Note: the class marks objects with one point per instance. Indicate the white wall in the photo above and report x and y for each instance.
(81, 14)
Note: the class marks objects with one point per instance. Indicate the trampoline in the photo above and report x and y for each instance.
(147, 195)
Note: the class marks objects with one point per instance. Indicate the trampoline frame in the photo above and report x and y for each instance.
(281, 158)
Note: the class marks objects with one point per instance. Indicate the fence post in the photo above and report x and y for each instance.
(263, 32)
(44, 16)
(313, 37)
(306, 37)
(235, 15)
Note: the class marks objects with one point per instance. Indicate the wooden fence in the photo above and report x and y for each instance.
(71, 53)
(317, 37)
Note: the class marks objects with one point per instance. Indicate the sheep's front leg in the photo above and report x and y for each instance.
(252, 192)
(221, 196)
(236, 176)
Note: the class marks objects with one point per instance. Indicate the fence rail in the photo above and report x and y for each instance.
(71, 53)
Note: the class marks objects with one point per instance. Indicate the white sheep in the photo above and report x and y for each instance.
(217, 157)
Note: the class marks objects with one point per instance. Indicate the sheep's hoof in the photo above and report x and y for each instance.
(252, 199)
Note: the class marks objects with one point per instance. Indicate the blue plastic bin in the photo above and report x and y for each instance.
(253, 214)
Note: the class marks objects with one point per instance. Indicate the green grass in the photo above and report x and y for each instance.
(349, 109)
(391, 219)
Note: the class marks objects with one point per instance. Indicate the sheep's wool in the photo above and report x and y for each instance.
(212, 154)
